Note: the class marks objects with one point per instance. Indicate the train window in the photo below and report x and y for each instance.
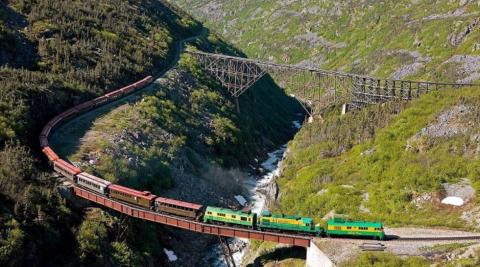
(209, 213)
(349, 227)
(338, 228)
(234, 217)
(243, 218)
(221, 214)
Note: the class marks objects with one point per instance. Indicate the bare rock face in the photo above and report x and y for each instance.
(313, 40)
(450, 123)
(470, 67)
(457, 38)
(462, 189)
(421, 199)
(417, 60)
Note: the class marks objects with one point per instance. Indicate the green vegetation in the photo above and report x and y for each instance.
(358, 164)
(54, 62)
(271, 254)
(185, 121)
(361, 37)
(445, 248)
(381, 259)
(55, 54)
(344, 165)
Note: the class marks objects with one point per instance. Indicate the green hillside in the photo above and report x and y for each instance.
(55, 54)
(401, 39)
(375, 164)
(393, 162)
(364, 160)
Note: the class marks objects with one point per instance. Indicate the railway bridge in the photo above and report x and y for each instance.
(316, 89)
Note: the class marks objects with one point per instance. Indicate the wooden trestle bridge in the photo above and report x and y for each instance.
(316, 89)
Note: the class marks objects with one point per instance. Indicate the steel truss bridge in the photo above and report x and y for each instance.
(314, 88)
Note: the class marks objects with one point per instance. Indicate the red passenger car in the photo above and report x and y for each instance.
(66, 169)
(85, 106)
(51, 155)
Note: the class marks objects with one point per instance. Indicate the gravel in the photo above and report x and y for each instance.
(449, 123)
(405, 70)
(472, 217)
(470, 67)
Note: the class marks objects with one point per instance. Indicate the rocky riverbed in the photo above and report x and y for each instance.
(263, 189)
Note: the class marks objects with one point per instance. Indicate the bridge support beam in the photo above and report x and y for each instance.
(237, 104)
(227, 252)
(316, 258)
(344, 109)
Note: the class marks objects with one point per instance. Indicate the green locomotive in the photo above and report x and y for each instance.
(288, 223)
(342, 227)
(228, 216)
(295, 224)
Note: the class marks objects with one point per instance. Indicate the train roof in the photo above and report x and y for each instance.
(88, 176)
(133, 192)
(179, 203)
(229, 211)
(290, 217)
(343, 222)
(70, 167)
(50, 153)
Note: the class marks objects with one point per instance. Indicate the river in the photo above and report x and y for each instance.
(262, 189)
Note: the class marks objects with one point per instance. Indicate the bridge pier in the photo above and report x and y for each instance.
(316, 258)
(344, 109)
(237, 104)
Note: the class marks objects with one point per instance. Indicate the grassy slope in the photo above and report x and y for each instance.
(381, 166)
(374, 39)
(361, 37)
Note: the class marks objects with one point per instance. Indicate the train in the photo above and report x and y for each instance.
(265, 221)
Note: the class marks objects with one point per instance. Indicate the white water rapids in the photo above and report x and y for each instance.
(257, 187)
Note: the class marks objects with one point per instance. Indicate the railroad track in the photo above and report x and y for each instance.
(440, 238)
(400, 239)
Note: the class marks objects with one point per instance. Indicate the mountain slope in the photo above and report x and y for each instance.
(406, 39)
(398, 39)
(54, 54)
(58, 53)
(393, 162)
